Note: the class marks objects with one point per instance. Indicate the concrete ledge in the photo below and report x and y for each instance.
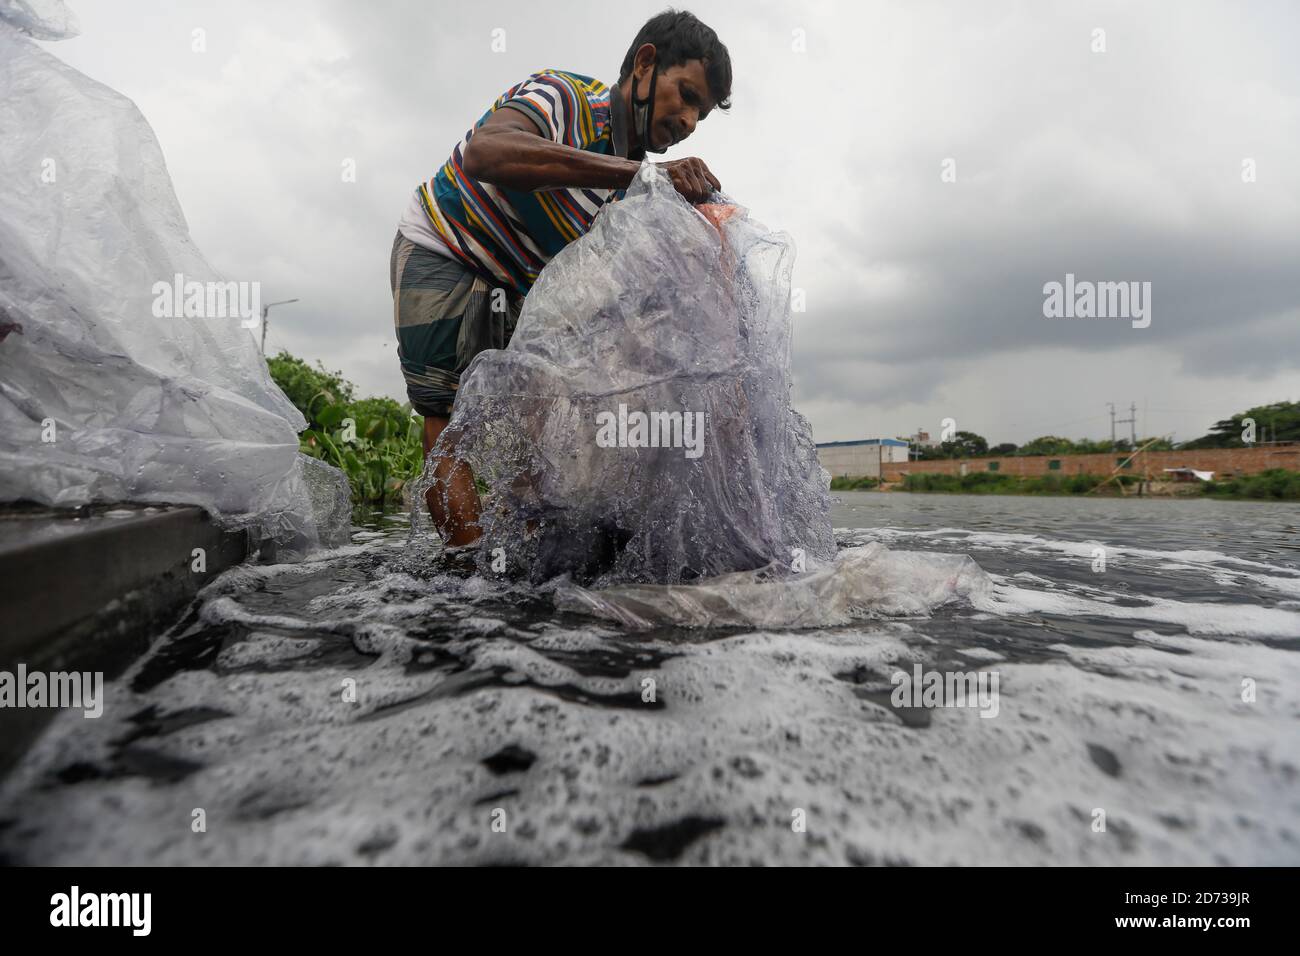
(88, 590)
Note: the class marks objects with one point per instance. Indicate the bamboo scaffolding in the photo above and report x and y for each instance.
(1122, 465)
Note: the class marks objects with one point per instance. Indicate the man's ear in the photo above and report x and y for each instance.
(645, 59)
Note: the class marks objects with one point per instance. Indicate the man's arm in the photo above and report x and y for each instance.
(509, 151)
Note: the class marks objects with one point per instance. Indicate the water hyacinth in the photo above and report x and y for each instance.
(375, 441)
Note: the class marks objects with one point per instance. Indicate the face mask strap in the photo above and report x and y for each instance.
(643, 110)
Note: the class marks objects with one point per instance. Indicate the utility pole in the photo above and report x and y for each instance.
(266, 309)
(1131, 421)
(1111, 406)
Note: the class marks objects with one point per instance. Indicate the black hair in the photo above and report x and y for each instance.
(679, 37)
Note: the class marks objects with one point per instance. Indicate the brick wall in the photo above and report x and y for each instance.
(1224, 462)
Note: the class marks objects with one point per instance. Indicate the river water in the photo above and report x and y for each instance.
(360, 709)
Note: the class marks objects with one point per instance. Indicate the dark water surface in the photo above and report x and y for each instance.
(362, 709)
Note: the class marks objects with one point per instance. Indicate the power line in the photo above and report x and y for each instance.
(1131, 421)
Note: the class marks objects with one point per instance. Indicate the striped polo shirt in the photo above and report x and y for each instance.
(509, 235)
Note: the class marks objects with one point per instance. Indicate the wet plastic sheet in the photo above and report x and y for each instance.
(864, 582)
(101, 399)
(679, 314)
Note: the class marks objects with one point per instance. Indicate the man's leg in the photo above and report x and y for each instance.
(431, 294)
(452, 498)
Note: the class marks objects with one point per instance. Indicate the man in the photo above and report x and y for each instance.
(528, 179)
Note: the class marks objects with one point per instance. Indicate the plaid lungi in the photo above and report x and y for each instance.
(445, 314)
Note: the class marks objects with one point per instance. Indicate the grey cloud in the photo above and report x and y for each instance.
(921, 294)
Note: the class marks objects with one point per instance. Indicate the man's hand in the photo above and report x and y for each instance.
(692, 178)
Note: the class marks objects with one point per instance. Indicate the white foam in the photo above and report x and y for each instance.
(751, 729)
(1224, 569)
(747, 729)
(1246, 620)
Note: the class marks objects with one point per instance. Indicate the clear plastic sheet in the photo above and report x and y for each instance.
(865, 582)
(677, 313)
(42, 19)
(100, 398)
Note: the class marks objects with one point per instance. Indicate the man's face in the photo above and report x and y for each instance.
(681, 100)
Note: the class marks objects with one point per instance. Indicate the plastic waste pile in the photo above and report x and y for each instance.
(638, 427)
(112, 386)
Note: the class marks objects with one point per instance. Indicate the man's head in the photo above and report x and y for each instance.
(678, 71)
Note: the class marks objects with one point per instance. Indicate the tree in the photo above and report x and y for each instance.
(1047, 445)
(1277, 422)
(1006, 448)
(1086, 446)
(964, 445)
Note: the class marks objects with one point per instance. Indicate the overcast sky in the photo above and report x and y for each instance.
(924, 297)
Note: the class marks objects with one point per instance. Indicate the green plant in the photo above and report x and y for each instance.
(308, 388)
(376, 442)
(1275, 483)
(1000, 483)
(865, 483)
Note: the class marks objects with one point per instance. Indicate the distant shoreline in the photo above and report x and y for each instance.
(1274, 485)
